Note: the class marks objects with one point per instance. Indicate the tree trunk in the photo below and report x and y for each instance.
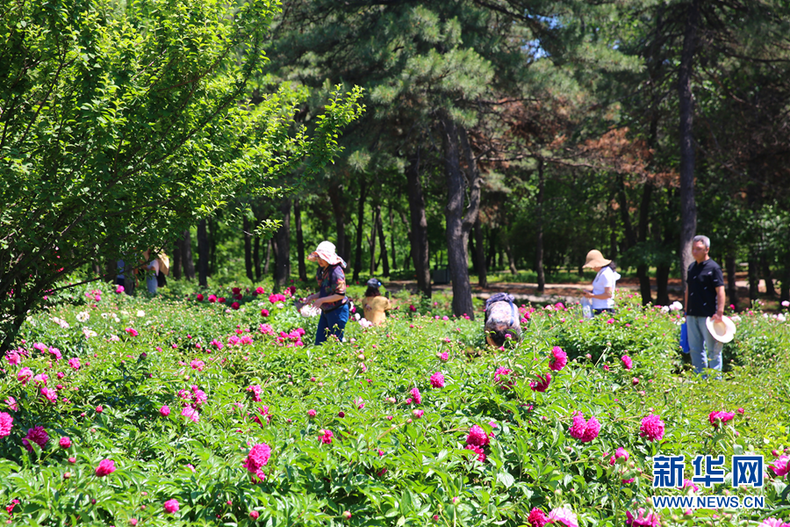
(491, 253)
(176, 267)
(479, 255)
(419, 226)
(393, 257)
(510, 260)
(372, 242)
(186, 256)
(732, 288)
(459, 224)
(662, 285)
(644, 218)
(539, 231)
(245, 228)
(336, 198)
(770, 290)
(363, 190)
(688, 207)
(299, 241)
(256, 258)
(385, 266)
(754, 277)
(282, 264)
(408, 257)
(784, 295)
(269, 244)
(203, 253)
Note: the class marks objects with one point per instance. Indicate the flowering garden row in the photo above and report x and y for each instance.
(125, 411)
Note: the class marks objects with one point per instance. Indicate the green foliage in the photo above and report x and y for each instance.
(387, 463)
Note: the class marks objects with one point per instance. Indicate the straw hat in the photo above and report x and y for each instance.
(595, 259)
(723, 331)
(326, 250)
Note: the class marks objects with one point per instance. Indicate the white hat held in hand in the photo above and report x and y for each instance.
(723, 331)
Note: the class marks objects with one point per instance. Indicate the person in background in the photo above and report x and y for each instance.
(331, 296)
(704, 297)
(503, 321)
(603, 287)
(151, 270)
(374, 304)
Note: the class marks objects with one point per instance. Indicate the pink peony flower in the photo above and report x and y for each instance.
(235, 305)
(11, 403)
(133, 332)
(264, 312)
(477, 437)
(6, 423)
(627, 362)
(171, 506)
(592, 430)
(191, 414)
(119, 290)
(437, 380)
(311, 413)
(74, 363)
(65, 442)
(165, 411)
(106, 467)
(13, 357)
(541, 384)
(773, 522)
(444, 356)
(481, 455)
(780, 466)
(255, 514)
(687, 483)
(258, 457)
(197, 365)
(620, 453)
(723, 417)
(537, 518)
(558, 359)
(212, 298)
(503, 379)
(36, 435)
(326, 437)
(199, 297)
(416, 396)
(652, 428)
(50, 395)
(563, 516)
(418, 413)
(259, 290)
(24, 375)
(650, 520)
(583, 430)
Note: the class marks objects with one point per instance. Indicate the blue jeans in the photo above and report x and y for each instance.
(332, 323)
(698, 335)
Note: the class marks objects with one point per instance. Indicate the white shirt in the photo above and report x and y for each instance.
(606, 277)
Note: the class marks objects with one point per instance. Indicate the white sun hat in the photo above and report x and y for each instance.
(723, 331)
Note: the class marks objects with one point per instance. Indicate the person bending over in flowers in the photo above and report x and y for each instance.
(503, 321)
(374, 304)
(331, 296)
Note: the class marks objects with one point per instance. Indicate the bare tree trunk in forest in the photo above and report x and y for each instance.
(385, 266)
(510, 260)
(732, 288)
(644, 218)
(203, 251)
(269, 244)
(299, 241)
(662, 269)
(186, 256)
(539, 231)
(213, 232)
(282, 264)
(770, 290)
(419, 226)
(336, 198)
(479, 256)
(372, 242)
(459, 224)
(175, 268)
(491, 253)
(256, 258)
(363, 190)
(688, 207)
(785, 289)
(408, 257)
(754, 277)
(394, 257)
(245, 229)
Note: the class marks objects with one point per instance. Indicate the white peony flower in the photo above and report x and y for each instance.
(83, 316)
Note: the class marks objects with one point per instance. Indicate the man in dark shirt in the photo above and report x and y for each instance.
(704, 298)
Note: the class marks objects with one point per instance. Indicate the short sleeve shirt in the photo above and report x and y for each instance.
(375, 307)
(702, 281)
(331, 281)
(606, 277)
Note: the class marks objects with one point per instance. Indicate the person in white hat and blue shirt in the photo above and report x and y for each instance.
(704, 298)
(331, 296)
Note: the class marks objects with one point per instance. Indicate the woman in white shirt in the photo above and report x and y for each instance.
(602, 292)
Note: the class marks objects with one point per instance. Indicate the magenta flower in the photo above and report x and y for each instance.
(50, 395)
(627, 362)
(133, 332)
(723, 417)
(773, 522)
(652, 428)
(74, 363)
(563, 516)
(171, 506)
(199, 297)
(36, 435)
(311, 413)
(537, 518)
(258, 457)
(477, 437)
(197, 365)
(326, 437)
(165, 411)
(119, 289)
(583, 430)
(106, 467)
(264, 312)
(558, 359)
(620, 453)
(24, 375)
(6, 423)
(444, 356)
(65, 442)
(416, 396)
(417, 413)
(437, 380)
(481, 454)
(650, 520)
(503, 379)
(541, 384)
(191, 414)
(780, 466)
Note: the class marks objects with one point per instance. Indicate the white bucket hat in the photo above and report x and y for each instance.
(723, 331)
(326, 250)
